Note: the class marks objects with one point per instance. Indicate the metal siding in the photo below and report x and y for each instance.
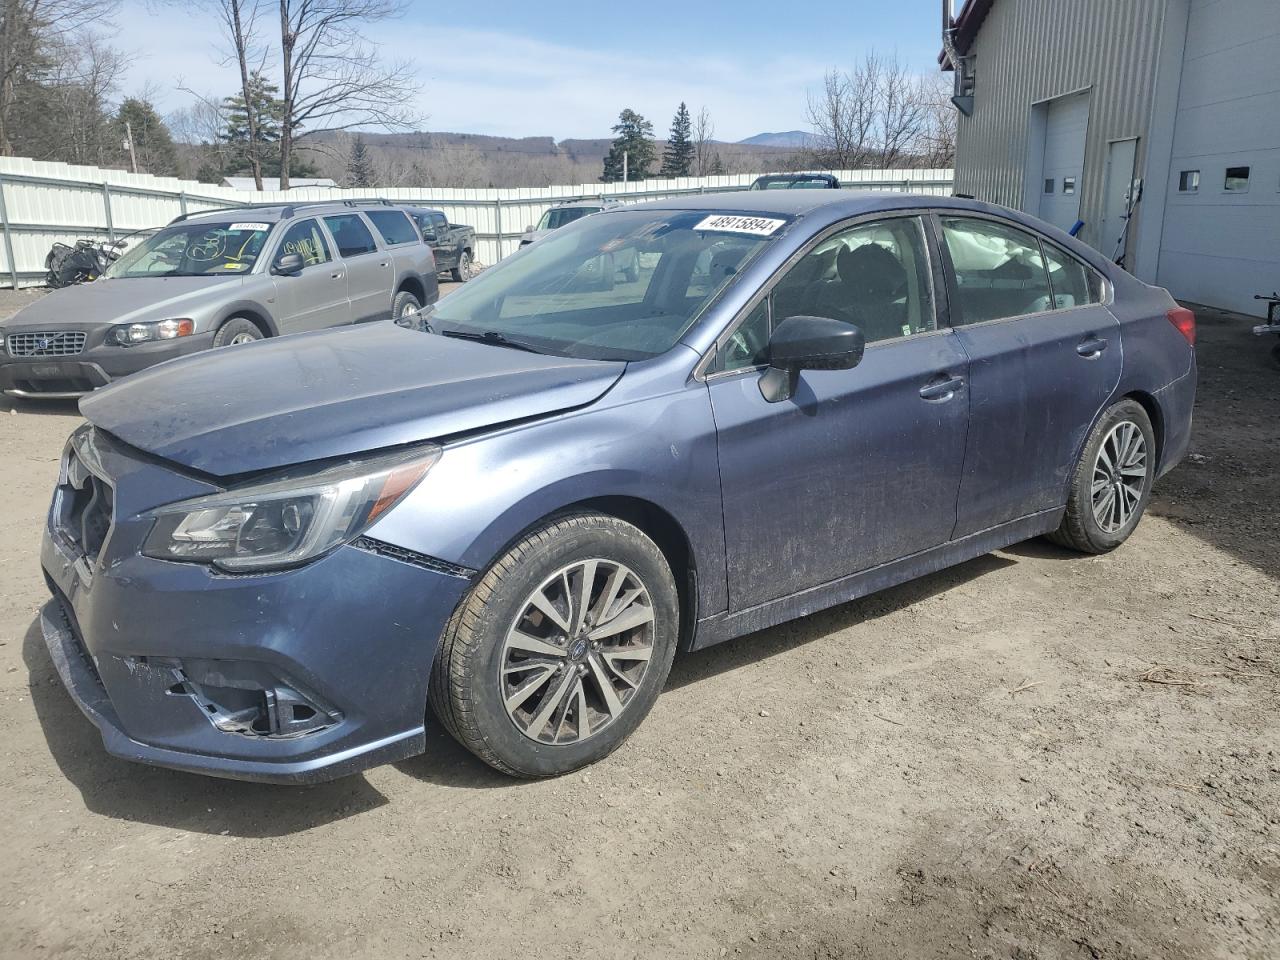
(46, 203)
(1030, 51)
(1218, 247)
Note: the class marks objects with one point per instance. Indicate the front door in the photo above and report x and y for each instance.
(860, 466)
(316, 297)
(368, 269)
(1044, 357)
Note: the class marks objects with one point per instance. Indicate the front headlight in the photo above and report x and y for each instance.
(288, 520)
(127, 334)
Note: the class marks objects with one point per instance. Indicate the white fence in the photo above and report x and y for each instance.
(43, 203)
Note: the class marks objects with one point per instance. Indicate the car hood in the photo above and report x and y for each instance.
(121, 301)
(313, 396)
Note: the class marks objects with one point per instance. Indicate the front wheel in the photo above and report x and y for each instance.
(465, 269)
(1112, 482)
(560, 649)
(236, 331)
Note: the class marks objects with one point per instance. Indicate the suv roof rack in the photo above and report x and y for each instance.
(287, 209)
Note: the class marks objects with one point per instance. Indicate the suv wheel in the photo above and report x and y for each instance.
(1112, 482)
(465, 269)
(560, 649)
(404, 306)
(235, 331)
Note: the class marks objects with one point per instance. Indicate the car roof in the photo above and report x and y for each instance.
(275, 212)
(790, 203)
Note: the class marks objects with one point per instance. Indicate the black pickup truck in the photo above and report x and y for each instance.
(453, 244)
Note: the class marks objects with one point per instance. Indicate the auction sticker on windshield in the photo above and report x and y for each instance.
(249, 226)
(732, 223)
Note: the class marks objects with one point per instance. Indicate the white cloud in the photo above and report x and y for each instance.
(476, 81)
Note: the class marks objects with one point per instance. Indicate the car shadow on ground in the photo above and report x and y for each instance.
(48, 408)
(754, 647)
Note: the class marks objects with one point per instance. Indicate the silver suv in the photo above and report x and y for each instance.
(219, 278)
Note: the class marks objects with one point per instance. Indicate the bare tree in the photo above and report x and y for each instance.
(938, 139)
(34, 34)
(706, 158)
(77, 96)
(872, 115)
(332, 78)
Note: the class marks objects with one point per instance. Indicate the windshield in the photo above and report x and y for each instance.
(624, 285)
(787, 183)
(557, 217)
(195, 249)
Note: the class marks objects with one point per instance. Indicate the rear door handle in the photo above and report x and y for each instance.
(384, 263)
(336, 276)
(1091, 347)
(938, 391)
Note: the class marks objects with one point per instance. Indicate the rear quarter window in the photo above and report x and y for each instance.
(394, 226)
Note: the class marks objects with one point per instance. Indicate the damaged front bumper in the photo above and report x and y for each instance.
(293, 676)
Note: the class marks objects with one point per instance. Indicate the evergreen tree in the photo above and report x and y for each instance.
(268, 111)
(359, 164)
(634, 139)
(677, 159)
(152, 143)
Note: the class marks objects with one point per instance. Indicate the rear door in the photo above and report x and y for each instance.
(1044, 354)
(368, 268)
(400, 238)
(316, 297)
(861, 466)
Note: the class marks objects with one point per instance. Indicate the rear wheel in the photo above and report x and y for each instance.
(236, 331)
(465, 269)
(404, 306)
(560, 649)
(1112, 482)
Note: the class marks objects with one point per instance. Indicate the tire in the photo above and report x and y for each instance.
(464, 270)
(544, 735)
(404, 304)
(1100, 526)
(237, 330)
(1275, 354)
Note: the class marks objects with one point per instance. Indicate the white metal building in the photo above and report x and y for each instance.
(1078, 110)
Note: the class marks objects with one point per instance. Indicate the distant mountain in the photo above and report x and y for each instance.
(790, 138)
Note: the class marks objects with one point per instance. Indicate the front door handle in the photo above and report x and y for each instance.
(1091, 347)
(941, 390)
(384, 263)
(336, 276)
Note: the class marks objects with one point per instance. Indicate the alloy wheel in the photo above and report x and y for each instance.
(577, 652)
(243, 338)
(1119, 476)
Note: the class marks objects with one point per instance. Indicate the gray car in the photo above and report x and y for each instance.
(216, 279)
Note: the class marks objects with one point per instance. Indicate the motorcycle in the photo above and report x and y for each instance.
(1273, 321)
(86, 260)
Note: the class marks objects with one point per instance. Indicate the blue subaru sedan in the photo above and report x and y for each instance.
(510, 512)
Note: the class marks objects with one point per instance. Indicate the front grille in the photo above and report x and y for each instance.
(83, 515)
(55, 343)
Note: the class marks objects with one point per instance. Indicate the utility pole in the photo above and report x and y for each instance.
(624, 165)
(128, 145)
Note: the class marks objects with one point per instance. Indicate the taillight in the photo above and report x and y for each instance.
(1185, 321)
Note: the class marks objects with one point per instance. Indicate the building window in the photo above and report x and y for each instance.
(1048, 185)
(1189, 181)
(1068, 186)
(1236, 180)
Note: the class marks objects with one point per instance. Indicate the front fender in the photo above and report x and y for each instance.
(485, 491)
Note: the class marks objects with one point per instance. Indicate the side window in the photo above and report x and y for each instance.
(1074, 284)
(874, 275)
(306, 237)
(350, 234)
(394, 226)
(439, 224)
(999, 270)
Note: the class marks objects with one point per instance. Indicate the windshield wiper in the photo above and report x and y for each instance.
(490, 336)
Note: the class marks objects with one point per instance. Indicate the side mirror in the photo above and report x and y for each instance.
(428, 236)
(289, 264)
(529, 229)
(808, 343)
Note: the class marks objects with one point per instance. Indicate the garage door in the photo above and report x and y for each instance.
(1066, 123)
(1221, 239)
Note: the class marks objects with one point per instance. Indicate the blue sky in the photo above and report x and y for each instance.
(566, 69)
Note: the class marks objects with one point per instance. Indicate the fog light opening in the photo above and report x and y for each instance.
(247, 701)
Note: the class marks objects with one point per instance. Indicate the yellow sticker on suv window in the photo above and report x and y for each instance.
(734, 223)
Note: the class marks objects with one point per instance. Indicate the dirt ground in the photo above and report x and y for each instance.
(1033, 755)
